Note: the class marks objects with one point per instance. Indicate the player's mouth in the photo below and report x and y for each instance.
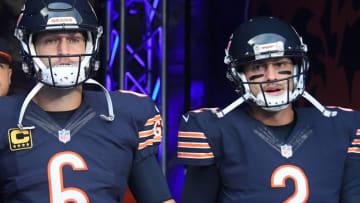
(273, 90)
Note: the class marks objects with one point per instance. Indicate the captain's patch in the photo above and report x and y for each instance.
(20, 139)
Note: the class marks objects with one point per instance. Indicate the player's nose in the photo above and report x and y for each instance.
(63, 47)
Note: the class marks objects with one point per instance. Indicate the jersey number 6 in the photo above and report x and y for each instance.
(284, 172)
(59, 194)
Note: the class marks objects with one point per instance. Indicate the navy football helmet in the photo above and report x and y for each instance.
(264, 38)
(39, 16)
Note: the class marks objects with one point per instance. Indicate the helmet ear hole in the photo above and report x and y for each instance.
(28, 66)
(233, 75)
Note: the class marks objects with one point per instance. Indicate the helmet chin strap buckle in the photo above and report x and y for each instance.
(107, 118)
(21, 127)
(328, 113)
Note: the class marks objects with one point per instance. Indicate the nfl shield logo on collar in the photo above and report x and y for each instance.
(64, 136)
(286, 151)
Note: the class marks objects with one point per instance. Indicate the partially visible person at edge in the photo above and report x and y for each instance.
(61, 143)
(268, 150)
(5, 68)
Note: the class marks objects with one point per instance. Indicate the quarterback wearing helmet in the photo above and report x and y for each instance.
(270, 150)
(255, 42)
(36, 19)
(67, 144)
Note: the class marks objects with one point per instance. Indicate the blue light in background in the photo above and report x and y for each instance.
(155, 4)
(197, 94)
(156, 89)
(114, 48)
(136, 83)
(137, 57)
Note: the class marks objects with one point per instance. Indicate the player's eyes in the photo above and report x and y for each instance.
(279, 64)
(282, 64)
(74, 40)
(257, 67)
(50, 41)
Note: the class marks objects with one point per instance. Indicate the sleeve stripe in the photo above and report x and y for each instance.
(146, 133)
(157, 138)
(151, 121)
(149, 142)
(353, 150)
(358, 132)
(193, 145)
(195, 155)
(192, 135)
(356, 142)
(151, 134)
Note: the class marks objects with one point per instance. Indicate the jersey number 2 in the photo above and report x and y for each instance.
(295, 173)
(59, 194)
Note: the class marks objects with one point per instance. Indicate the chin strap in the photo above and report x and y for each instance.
(111, 116)
(39, 85)
(232, 106)
(321, 108)
(325, 112)
(26, 102)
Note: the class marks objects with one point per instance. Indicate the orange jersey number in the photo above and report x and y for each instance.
(59, 194)
(295, 173)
